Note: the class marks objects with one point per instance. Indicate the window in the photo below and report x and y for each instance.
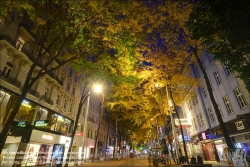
(19, 44)
(197, 72)
(211, 114)
(217, 77)
(204, 91)
(7, 69)
(195, 124)
(240, 98)
(227, 70)
(65, 104)
(228, 105)
(220, 110)
(68, 86)
(189, 105)
(195, 100)
(88, 133)
(73, 91)
(81, 128)
(210, 57)
(46, 92)
(71, 107)
(200, 119)
(210, 83)
(58, 100)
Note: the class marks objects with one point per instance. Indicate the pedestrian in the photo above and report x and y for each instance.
(149, 159)
(155, 161)
(193, 160)
(199, 160)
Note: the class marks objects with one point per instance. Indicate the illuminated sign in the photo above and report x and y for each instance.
(47, 137)
(79, 134)
(41, 123)
(204, 136)
(183, 122)
(239, 125)
(25, 103)
(22, 124)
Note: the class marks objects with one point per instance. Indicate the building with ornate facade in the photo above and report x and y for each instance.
(47, 115)
(204, 135)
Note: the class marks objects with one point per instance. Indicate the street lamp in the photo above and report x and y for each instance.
(96, 89)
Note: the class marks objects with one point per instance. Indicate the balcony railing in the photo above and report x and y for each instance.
(54, 76)
(47, 99)
(10, 80)
(91, 119)
(34, 93)
(31, 56)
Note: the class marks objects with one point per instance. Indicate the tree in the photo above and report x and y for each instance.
(79, 34)
(177, 36)
(222, 26)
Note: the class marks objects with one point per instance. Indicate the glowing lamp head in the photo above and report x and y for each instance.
(98, 88)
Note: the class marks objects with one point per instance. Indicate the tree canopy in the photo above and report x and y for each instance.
(223, 27)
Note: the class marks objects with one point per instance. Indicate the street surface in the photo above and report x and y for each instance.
(123, 162)
(143, 162)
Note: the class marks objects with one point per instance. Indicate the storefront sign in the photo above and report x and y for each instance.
(79, 134)
(47, 137)
(26, 103)
(218, 132)
(183, 122)
(41, 123)
(21, 124)
(239, 125)
(204, 136)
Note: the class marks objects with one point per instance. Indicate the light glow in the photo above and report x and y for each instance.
(98, 88)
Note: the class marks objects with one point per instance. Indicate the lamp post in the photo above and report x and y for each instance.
(98, 89)
(85, 129)
(170, 103)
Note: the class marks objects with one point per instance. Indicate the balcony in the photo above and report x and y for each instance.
(91, 119)
(11, 80)
(34, 93)
(13, 43)
(31, 56)
(47, 99)
(54, 76)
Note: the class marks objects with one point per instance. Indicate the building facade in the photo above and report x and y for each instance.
(46, 118)
(204, 136)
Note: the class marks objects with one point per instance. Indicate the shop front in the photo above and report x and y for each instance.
(34, 133)
(194, 147)
(208, 146)
(46, 148)
(239, 133)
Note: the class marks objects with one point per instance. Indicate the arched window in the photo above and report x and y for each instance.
(7, 69)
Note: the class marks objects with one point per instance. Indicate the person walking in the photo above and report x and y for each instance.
(199, 160)
(149, 159)
(193, 160)
(155, 161)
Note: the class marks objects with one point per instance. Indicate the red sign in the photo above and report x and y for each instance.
(79, 134)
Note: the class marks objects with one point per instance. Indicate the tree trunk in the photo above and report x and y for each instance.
(6, 127)
(96, 137)
(215, 106)
(107, 139)
(182, 135)
(82, 100)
